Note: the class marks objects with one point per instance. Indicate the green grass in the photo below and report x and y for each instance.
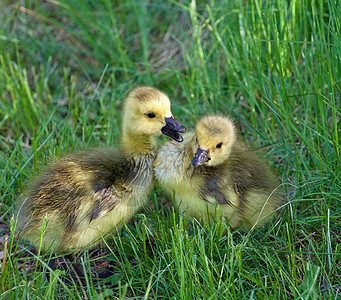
(274, 66)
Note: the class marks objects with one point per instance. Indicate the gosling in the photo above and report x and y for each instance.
(213, 174)
(82, 197)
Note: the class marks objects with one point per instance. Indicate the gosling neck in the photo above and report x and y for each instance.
(136, 145)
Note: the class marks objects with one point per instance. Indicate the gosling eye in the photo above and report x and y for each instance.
(196, 139)
(219, 145)
(150, 115)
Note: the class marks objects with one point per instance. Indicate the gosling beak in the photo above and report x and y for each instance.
(200, 157)
(172, 128)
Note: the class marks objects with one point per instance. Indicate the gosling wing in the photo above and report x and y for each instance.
(106, 200)
(211, 191)
(112, 171)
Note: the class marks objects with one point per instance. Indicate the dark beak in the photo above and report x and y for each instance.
(172, 128)
(200, 157)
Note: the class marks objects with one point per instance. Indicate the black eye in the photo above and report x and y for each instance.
(150, 115)
(219, 145)
(196, 140)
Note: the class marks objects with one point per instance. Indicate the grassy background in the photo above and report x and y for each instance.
(274, 66)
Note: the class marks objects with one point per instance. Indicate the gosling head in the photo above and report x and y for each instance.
(147, 112)
(214, 138)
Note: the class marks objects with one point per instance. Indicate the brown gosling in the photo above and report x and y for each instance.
(85, 195)
(212, 173)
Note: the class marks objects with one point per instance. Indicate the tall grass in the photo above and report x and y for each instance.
(274, 66)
